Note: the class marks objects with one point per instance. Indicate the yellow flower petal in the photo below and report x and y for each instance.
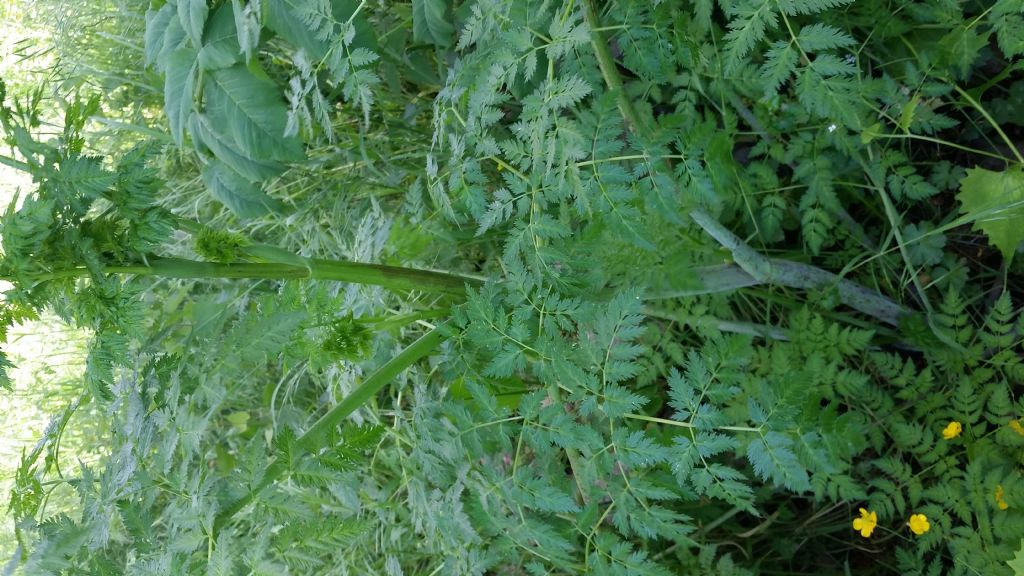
(952, 430)
(1000, 503)
(866, 523)
(919, 524)
(1016, 426)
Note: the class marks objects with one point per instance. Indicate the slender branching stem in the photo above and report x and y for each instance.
(318, 434)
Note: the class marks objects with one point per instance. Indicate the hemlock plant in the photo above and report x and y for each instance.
(670, 288)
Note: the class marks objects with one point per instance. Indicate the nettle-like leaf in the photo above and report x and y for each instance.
(254, 169)
(192, 15)
(251, 112)
(283, 20)
(220, 48)
(240, 195)
(993, 201)
(432, 22)
(157, 25)
(242, 118)
(179, 87)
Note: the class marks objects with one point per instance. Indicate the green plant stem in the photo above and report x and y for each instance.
(405, 319)
(316, 436)
(995, 125)
(655, 420)
(16, 164)
(391, 277)
(759, 267)
(749, 328)
(572, 454)
(608, 71)
(717, 278)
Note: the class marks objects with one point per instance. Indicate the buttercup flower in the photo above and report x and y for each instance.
(919, 524)
(999, 498)
(1016, 426)
(952, 430)
(866, 523)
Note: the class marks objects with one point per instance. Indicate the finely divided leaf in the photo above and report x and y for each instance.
(1007, 17)
(780, 61)
(774, 461)
(823, 37)
(751, 21)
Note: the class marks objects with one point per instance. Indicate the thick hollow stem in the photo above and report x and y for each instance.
(391, 277)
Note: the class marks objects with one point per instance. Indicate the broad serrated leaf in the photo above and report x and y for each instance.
(924, 244)
(1017, 563)
(431, 22)
(174, 39)
(240, 195)
(253, 169)
(192, 15)
(995, 201)
(179, 86)
(220, 43)
(157, 22)
(282, 20)
(250, 110)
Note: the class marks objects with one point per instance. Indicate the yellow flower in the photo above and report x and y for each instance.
(952, 430)
(919, 524)
(866, 523)
(999, 498)
(1016, 426)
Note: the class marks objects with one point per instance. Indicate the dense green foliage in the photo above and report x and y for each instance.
(652, 288)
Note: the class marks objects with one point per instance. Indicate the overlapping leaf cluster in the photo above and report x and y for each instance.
(674, 208)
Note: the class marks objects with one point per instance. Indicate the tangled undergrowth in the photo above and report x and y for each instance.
(491, 287)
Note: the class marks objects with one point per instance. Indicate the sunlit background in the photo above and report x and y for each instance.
(49, 357)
